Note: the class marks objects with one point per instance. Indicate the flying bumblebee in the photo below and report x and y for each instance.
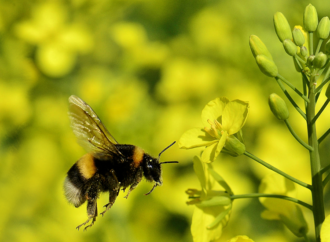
(108, 166)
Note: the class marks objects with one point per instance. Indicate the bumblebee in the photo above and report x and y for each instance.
(108, 166)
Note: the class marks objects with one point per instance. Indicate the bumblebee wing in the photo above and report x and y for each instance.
(89, 130)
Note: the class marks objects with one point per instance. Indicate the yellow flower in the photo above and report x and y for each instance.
(287, 212)
(213, 206)
(223, 121)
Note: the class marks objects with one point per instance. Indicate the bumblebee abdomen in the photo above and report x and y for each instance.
(86, 166)
(78, 175)
(73, 192)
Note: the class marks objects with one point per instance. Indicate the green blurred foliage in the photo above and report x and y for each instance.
(147, 68)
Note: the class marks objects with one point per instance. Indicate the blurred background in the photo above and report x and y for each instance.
(147, 68)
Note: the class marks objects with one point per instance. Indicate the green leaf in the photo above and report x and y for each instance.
(195, 137)
(234, 116)
(213, 110)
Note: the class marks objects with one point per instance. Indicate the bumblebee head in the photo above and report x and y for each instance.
(152, 168)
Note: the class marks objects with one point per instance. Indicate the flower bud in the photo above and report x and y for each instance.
(278, 107)
(327, 92)
(324, 28)
(327, 47)
(320, 60)
(267, 66)
(234, 145)
(290, 47)
(282, 27)
(310, 18)
(303, 51)
(310, 60)
(258, 47)
(298, 37)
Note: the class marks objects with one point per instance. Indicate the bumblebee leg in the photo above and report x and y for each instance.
(91, 194)
(92, 213)
(133, 186)
(114, 193)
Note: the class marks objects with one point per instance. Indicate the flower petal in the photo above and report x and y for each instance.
(208, 154)
(325, 230)
(234, 116)
(240, 238)
(202, 218)
(195, 137)
(213, 110)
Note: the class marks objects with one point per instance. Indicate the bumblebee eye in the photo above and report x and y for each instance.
(149, 166)
(150, 160)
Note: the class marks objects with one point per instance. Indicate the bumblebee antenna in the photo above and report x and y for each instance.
(166, 162)
(152, 189)
(165, 149)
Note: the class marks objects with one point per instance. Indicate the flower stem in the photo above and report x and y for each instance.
(323, 136)
(317, 186)
(290, 98)
(297, 137)
(325, 181)
(311, 51)
(320, 111)
(248, 154)
(318, 46)
(257, 195)
(292, 87)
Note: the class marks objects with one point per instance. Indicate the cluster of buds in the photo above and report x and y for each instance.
(296, 43)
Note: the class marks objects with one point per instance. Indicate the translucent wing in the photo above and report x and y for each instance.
(89, 130)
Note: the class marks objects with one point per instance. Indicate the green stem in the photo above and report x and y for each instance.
(318, 46)
(297, 137)
(292, 87)
(317, 186)
(325, 181)
(324, 169)
(324, 136)
(290, 98)
(319, 88)
(311, 51)
(320, 111)
(257, 195)
(300, 59)
(295, 180)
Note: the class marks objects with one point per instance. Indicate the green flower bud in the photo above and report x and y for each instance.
(327, 47)
(296, 65)
(258, 47)
(290, 47)
(327, 92)
(310, 60)
(282, 27)
(310, 18)
(298, 37)
(324, 28)
(303, 51)
(267, 66)
(306, 70)
(320, 60)
(235, 146)
(278, 107)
